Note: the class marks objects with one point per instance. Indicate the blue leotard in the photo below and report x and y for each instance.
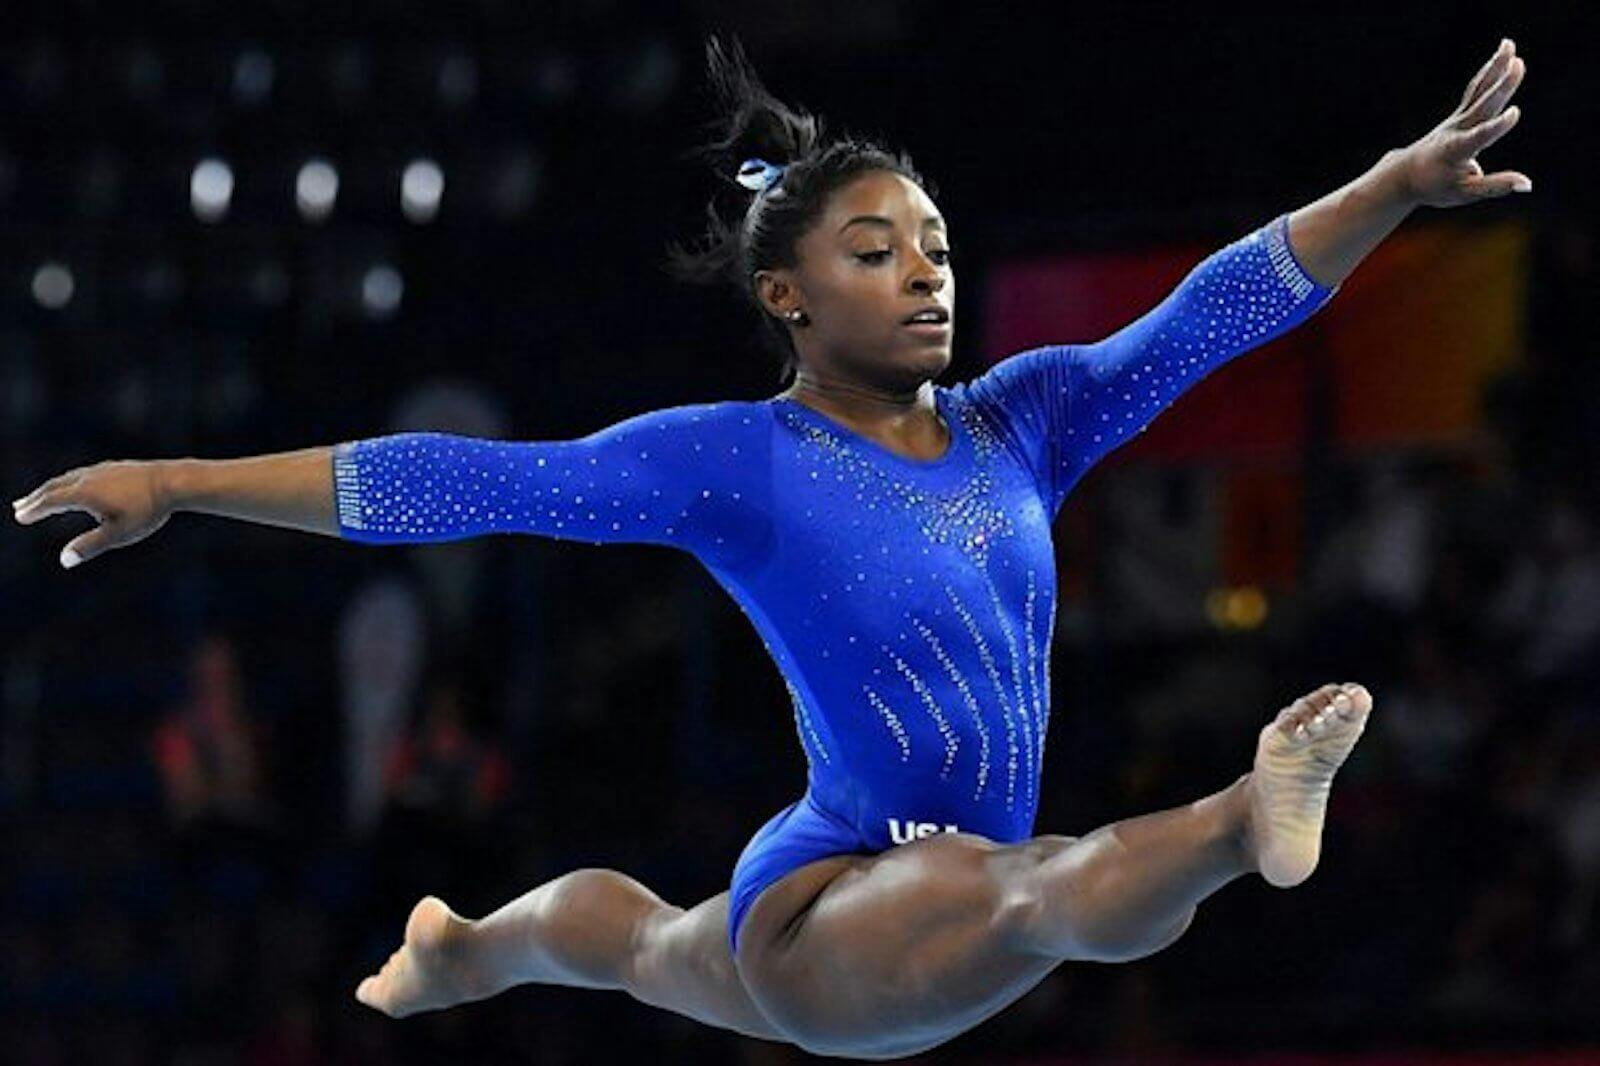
(908, 604)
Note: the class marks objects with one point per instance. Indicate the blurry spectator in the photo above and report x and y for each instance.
(1436, 716)
(1575, 816)
(443, 768)
(1552, 595)
(1393, 561)
(207, 749)
(380, 654)
(1502, 948)
(444, 782)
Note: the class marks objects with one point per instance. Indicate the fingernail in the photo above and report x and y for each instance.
(18, 501)
(69, 558)
(1522, 185)
(1503, 42)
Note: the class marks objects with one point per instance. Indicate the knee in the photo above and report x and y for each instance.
(595, 925)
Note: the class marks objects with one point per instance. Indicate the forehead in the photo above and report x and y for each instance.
(879, 192)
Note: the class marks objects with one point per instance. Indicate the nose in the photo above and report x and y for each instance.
(928, 282)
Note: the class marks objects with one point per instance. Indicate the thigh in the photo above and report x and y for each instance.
(896, 952)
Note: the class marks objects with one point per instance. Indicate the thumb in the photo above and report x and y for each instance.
(1501, 184)
(84, 548)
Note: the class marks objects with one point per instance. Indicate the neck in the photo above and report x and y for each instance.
(898, 420)
(862, 400)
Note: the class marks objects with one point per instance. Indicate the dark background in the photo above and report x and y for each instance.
(181, 875)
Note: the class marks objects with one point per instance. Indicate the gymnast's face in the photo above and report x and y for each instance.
(879, 253)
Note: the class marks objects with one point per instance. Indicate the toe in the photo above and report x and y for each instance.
(1322, 698)
(1360, 698)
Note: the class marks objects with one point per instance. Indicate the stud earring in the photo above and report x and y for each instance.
(798, 317)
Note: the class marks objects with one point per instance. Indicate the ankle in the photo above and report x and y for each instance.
(1236, 816)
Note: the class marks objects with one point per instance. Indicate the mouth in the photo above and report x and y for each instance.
(934, 314)
(930, 330)
(931, 321)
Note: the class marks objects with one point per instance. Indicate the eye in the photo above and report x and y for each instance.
(941, 256)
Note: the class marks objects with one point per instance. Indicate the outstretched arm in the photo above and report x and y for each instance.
(689, 477)
(1336, 232)
(131, 499)
(293, 490)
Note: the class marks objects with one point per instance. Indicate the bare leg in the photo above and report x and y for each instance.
(586, 929)
(1130, 889)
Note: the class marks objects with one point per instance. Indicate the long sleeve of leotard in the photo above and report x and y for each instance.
(693, 477)
(1065, 406)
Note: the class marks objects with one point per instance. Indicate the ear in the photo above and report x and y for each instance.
(777, 291)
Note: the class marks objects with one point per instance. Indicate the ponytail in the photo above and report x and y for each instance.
(749, 230)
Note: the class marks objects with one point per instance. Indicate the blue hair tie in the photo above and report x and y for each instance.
(758, 175)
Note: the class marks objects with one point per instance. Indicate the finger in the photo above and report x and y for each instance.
(40, 507)
(54, 503)
(1501, 183)
(1491, 103)
(55, 482)
(95, 542)
(1475, 112)
(1486, 74)
(1484, 134)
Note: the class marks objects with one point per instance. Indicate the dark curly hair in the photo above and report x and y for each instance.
(751, 231)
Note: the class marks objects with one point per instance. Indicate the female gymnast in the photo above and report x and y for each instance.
(890, 540)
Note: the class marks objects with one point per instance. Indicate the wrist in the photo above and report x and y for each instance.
(175, 482)
(1392, 180)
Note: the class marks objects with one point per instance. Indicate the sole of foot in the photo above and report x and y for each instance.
(426, 972)
(1297, 755)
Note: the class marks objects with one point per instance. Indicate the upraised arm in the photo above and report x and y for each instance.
(1440, 169)
(1068, 405)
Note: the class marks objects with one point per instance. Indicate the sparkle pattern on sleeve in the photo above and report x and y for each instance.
(1067, 406)
(673, 477)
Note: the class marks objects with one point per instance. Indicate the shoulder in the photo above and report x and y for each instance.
(715, 418)
(1014, 380)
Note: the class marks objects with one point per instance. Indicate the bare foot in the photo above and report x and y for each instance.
(431, 970)
(1296, 756)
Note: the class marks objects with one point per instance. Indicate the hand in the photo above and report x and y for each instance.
(1440, 169)
(128, 499)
